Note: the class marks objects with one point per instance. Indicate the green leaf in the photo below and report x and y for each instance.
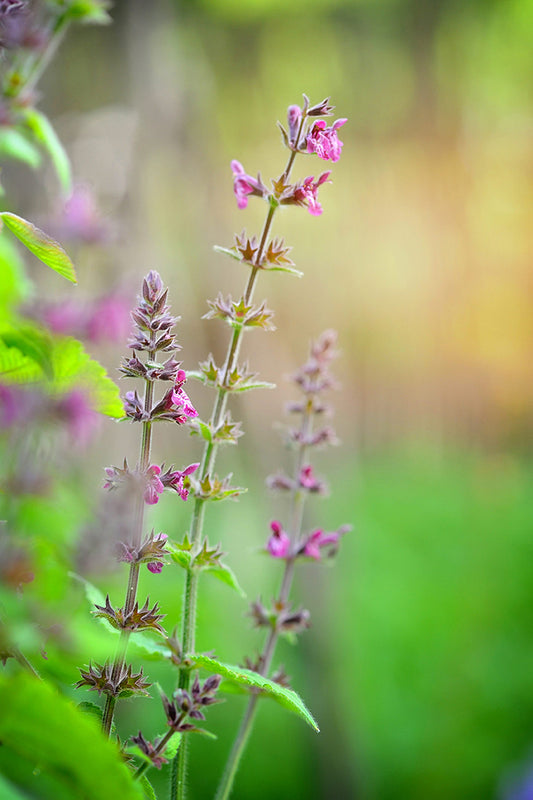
(74, 368)
(173, 746)
(15, 144)
(32, 342)
(54, 751)
(40, 244)
(44, 133)
(147, 787)
(93, 11)
(15, 367)
(9, 792)
(197, 426)
(14, 285)
(291, 270)
(149, 648)
(244, 387)
(95, 598)
(228, 252)
(246, 677)
(227, 576)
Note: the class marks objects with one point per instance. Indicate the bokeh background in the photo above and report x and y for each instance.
(419, 664)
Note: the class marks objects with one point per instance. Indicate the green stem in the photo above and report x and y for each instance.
(35, 67)
(179, 767)
(265, 660)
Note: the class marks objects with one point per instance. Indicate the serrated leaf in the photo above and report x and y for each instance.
(45, 134)
(95, 598)
(41, 750)
(73, 367)
(227, 576)
(14, 144)
(246, 677)
(40, 244)
(228, 252)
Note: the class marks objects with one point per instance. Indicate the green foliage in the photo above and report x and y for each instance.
(40, 244)
(225, 574)
(14, 143)
(54, 751)
(45, 134)
(14, 286)
(73, 367)
(288, 698)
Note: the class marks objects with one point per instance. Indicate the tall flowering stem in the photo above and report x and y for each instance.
(152, 336)
(259, 255)
(292, 545)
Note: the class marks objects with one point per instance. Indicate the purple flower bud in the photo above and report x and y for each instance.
(294, 115)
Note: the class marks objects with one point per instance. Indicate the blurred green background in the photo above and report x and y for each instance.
(419, 664)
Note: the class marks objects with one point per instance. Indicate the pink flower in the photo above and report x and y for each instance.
(181, 398)
(306, 193)
(157, 566)
(154, 486)
(244, 184)
(308, 480)
(279, 543)
(174, 480)
(318, 539)
(324, 141)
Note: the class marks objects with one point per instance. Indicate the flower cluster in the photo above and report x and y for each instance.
(152, 482)
(304, 135)
(190, 704)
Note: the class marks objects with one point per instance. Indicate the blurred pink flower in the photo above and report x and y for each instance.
(279, 543)
(77, 413)
(81, 220)
(318, 539)
(109, 319)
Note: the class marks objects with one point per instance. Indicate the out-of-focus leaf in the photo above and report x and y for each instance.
(95, 598)
(14, 286)
(15, 367)
(93, 11)
(54, 751)
(40, 244)
(73, 367)
(32, 342)
(147, 788)
(44, 133)
(10, 792)
(14, 144)
(246, 677)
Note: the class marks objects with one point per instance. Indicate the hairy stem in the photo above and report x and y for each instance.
(265, 660)
(179, 766)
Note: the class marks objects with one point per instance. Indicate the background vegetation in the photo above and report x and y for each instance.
(419, 663)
